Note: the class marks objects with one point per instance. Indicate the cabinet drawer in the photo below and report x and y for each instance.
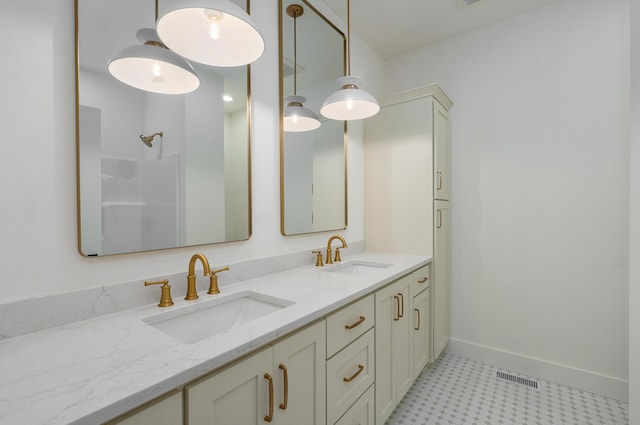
(348, 324)
(349, 374)
(362, 412)
(421, 279)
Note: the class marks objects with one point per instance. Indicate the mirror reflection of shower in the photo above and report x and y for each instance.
(148, 140)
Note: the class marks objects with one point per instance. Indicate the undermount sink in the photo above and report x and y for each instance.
(217, 316)
(357, 268)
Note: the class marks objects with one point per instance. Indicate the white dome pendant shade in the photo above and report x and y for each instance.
(211, 32)
(298, 118)
(152, 67)
(349, 102)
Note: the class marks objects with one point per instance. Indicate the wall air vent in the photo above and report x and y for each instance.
(510, 377)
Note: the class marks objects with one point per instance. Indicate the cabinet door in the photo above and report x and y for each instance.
(421, 334)
(441, 154)
(441, 279)
(238, 394)
(394, 345)
(165, 411)
(299, 367)
(398, 160)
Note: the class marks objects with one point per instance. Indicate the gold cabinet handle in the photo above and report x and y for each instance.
(423, 280)
(356, 324)
(439, 218)
(439, 173)
(285, 374)
(402, 304)
(355, 375)
(418, 327)
(396, 315)
(269, 417)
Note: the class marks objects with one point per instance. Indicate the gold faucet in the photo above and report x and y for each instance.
(213, 281)
(344, 245)
(191, 278)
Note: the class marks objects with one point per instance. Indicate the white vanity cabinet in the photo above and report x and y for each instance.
(350, 362)
(421, 319)
(394, 345)
(166, 410)
(281, 384)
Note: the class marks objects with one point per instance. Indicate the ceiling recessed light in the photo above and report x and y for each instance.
(227, 98)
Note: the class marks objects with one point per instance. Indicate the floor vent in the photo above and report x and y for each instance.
(510, 377)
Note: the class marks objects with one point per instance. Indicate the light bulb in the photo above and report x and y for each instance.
(350, 104)
(294, 119)
(157, 76)
(214, 18)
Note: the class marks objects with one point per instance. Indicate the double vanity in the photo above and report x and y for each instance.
(308, 341)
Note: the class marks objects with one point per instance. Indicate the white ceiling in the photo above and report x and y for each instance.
(395, 27)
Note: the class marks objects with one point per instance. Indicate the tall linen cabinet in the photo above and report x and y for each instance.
(407, 156)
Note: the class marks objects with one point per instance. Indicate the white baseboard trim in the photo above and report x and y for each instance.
(592, 382)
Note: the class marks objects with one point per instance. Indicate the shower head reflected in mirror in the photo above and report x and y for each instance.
(148, 140)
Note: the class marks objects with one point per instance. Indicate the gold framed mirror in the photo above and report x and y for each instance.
(156, 171)
(313, 164)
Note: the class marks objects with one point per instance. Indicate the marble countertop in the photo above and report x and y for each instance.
(92, 371)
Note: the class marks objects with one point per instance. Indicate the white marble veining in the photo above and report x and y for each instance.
(36, 314)
(91, 371)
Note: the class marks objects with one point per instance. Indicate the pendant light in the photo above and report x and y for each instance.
(349, 102)
(211, 32)
(296, 117)
(152, 67)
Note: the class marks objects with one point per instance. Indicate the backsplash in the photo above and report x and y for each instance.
(35, 314)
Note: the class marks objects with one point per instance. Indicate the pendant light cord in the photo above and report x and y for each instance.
(295, 55)
(348, 37)
(156, 10)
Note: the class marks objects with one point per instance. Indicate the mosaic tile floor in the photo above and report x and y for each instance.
(458, 391)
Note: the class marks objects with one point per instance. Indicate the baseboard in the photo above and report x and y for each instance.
(585, 380)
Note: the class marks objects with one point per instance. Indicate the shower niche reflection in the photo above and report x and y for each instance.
(156, 171)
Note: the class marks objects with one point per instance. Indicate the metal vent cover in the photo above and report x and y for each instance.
(510, 377)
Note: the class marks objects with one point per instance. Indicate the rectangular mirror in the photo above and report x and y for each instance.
(313, 164)
(156, 171)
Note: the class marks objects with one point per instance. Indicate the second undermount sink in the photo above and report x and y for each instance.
(217, 316)
(357, 268)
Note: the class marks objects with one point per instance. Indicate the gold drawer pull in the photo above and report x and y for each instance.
(396, 316)
(423, 280)
(355, 375)
(269, 417)
(439, 173)
(358, 323)
(284, 404)
(402, 303)
(418, 328)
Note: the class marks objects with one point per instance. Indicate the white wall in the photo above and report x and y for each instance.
(38, 248)
(634, 231)
(540, 186)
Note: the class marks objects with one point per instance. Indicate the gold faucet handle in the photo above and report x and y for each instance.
(319, 262)
(165, 298)
(213, 281)
(338, 259)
